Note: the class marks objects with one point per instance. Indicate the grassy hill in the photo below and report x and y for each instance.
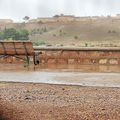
(85, 33)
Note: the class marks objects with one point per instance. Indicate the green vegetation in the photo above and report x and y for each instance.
(39, 31)
(112, 31)
(86, 44)
(38, 43)
(76, 37)
(61, 33)
(11, 33)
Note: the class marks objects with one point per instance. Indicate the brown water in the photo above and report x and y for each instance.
(62, 67)
(85, 75)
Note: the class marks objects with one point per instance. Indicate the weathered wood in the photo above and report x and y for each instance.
(17, 49)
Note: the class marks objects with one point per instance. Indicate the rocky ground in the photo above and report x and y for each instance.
(25, 101)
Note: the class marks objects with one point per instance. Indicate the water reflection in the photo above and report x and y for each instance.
(85, 75)
(61, 67)
(80, 68)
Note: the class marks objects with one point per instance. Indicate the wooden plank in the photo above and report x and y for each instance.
(13, 48)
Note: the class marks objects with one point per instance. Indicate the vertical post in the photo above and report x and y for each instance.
(34, 58)
(26, 52)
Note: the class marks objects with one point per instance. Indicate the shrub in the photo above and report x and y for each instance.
(86, 44)
(113, 31)
(75, 37)
(38, 43)
(44, 29)
(11, 33)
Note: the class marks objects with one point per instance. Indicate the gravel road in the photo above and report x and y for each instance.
(27, 101)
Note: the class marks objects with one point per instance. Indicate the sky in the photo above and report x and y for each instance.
(17, 9)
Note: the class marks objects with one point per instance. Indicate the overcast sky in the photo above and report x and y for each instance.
(17, 9)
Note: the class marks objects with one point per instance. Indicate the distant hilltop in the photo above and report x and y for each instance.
(6, 21)
(70, 18)
(61, 18)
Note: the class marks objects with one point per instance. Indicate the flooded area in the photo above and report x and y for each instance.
(84, 75)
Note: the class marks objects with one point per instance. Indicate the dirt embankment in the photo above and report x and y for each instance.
(100, 32)
(26, 101)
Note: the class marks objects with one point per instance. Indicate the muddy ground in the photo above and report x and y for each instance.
(27, 101)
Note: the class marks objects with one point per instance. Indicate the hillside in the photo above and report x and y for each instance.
(102, 32)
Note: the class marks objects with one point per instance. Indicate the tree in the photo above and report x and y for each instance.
(26, 18)
(56, 16)
(11, 33)
(1, 35)
(23, 35)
